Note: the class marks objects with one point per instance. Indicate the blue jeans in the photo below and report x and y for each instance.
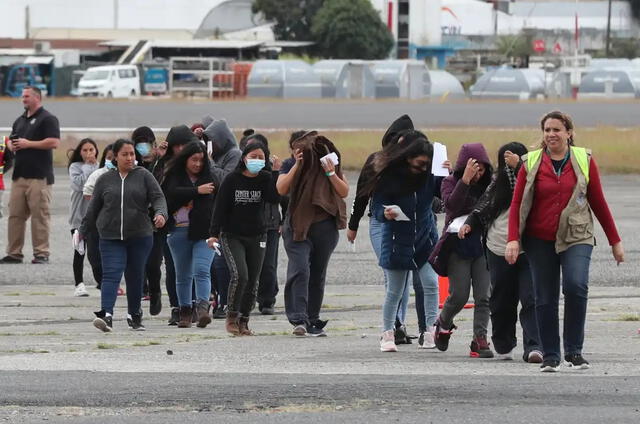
(545, 269)
(375, 235)
(220, 278)
(192, 259)
(124, 256)
(397, 283)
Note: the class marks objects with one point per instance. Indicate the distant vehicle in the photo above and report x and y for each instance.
(155, 79)
(76, 76)
(110, 81)
(14, 78)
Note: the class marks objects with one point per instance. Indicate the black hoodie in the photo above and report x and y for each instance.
(178, 135)
(403, 123)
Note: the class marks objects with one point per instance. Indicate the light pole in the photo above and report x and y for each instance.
(608, 40)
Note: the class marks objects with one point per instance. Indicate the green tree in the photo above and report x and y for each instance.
(350, 29)
(515, 45)
(292, 17)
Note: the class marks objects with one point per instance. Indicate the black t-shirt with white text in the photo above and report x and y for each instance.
(35, 163)
(239, 207)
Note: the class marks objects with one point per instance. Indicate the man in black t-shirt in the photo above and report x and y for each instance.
(33, 137)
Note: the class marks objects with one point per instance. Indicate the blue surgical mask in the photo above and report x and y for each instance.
(255, 165)
(109, 164)
(143, 148)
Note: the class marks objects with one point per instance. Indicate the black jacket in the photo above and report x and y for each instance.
(119, 207)
(179, 191)
(273, 218)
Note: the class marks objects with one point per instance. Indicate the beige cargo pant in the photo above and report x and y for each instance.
(30, 197)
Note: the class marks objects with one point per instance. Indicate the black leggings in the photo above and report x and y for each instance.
(93, 251)
(159, 251)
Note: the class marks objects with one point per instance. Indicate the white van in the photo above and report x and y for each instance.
(110, 81)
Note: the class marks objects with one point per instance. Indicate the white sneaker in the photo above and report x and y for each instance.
(388, 342)
(81, 291)
(426, 340)
(505, 356)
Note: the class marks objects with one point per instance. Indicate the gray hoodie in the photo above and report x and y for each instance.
(207, 120)
(78, 174)
(226, 154)
(119, 207)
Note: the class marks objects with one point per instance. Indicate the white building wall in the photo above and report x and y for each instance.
(78, 14)
(471, 17)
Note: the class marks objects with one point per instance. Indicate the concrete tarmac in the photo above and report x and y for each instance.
(56, 368)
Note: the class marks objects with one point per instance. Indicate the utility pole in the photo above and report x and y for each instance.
(608, 40)
(116, 12)
(27, 22)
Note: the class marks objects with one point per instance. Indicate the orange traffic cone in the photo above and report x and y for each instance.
(443, 292)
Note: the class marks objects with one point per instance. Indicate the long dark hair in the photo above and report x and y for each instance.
(107, 149)
(248, 149)
(76, 156)
(178, 165)
(503, 191)
(411, 144)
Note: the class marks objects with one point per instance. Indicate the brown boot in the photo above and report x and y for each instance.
(185, 317)
(204, 318)
(231, 324)
(243, 326)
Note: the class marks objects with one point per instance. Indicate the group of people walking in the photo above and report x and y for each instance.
(509, 235)
(197, 196)
(214, 210)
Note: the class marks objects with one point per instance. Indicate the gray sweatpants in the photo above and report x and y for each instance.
(464, 274)
(307, 270)
(1, 204)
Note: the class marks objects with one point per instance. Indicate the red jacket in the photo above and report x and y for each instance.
(552, 195)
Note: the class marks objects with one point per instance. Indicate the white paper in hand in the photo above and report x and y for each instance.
(78, 244)
(401, 215)
(333, 157)
(210, 148)
(456, 224)
(439, 157)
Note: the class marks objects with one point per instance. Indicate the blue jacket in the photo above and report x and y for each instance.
(407, 244)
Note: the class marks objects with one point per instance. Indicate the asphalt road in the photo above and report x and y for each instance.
(324, 114)
(296, 398)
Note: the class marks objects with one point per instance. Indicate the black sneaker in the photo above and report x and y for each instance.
(10, 260)
(441, 336)
(40, 260)
(550, 365)
(135, 322)
(103, 322)
(155, 306)
(266, 309)
(316, 329)
(175, 316)
(576, 361)
(479, 348)
(220, 312)
(400, 334)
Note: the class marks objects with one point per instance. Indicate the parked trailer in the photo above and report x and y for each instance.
(345, 79)
(286, 79)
